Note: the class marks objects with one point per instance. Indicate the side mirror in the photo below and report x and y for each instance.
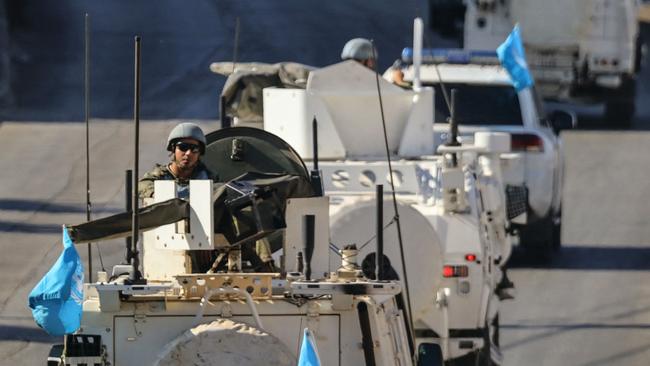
(562, 120)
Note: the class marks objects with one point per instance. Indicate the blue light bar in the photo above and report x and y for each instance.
(451, 56)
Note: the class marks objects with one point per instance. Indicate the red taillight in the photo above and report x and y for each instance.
(447, 271)
(454, 271)
(470, 257)
(526, 142)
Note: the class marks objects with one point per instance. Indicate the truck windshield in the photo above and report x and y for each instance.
(480, 104)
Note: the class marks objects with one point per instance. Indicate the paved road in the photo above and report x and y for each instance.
(591, 305)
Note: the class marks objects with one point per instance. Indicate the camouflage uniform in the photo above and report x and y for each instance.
(162, 172)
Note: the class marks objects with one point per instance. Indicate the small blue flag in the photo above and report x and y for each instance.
(308, 351)
(513, 58)
(57, 298)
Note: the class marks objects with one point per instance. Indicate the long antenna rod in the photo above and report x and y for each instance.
(128, 189)
(315, 177)
(314, 139)
(380, 232)
(236, 45)
(443, 87)
(397, 222)
(135, 224)
(87, 117)
(225, 120)
(453, 127)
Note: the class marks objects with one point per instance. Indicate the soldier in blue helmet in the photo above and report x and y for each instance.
(186, 143)
(360, 50)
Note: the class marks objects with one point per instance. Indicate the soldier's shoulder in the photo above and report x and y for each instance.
(158, 170)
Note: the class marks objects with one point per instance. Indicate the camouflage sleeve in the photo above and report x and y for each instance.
(145, 185)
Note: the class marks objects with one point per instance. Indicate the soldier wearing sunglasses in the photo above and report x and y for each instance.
(186, 144)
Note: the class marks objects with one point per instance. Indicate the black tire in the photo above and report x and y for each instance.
(557, 234)
(495, 324)
(480, 357)
(537, 239)
(619, 112)
(55, 356)
(484, 356)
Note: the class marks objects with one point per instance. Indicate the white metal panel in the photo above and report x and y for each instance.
(288, 113)
(294, 238)
(161, 264)
(417, 139)
(349, 91)
(553, 22)
(200, 235)
(355, 223)
(363, 176)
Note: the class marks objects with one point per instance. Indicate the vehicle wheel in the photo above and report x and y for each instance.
(197, 347)
(620, 113)
(55, 356)
(491, 338)
(495, 334)
(557, 233)
(537, 239)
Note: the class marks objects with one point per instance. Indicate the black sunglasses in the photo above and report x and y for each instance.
(184, 146)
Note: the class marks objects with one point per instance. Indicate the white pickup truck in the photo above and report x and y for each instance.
(487, 101)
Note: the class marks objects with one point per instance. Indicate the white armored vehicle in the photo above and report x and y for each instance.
(447, 211)
(200, 300)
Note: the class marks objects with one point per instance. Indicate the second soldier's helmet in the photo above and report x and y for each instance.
(186, 131)
(358, 49)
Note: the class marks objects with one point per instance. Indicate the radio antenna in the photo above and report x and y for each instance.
(136, 276)
(396, 218)
(87, 120)
(225, 121)
(443, 87)
(236, 45)
(86, 114)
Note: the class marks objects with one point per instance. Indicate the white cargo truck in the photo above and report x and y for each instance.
(585, 51)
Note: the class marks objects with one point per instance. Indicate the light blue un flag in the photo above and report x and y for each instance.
(56, 300)
(513, 58)
(308, 351)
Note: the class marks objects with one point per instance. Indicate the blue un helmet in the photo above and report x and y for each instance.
(186, 131)
(358, 49)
